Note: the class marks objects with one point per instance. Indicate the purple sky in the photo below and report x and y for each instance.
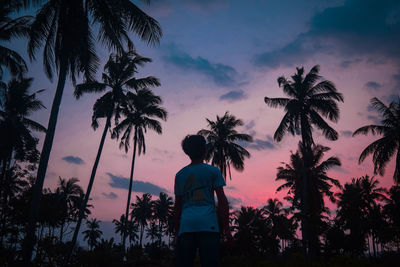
(221, 55)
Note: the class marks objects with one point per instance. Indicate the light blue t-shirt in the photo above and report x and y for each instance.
(196, 184)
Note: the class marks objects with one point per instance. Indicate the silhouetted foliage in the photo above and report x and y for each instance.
(223, 148)
(389, 144)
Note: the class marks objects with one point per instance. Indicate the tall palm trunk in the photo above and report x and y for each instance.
(304, 202)
(129, 189)
(61, 231)
(89, 188)
(44, 160)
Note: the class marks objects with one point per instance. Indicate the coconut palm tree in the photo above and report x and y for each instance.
(306, 106)
(141, 111)
(357, 209)
(65, 29)
(119, 227)
(223, 149)
(254, 232)
(131, 229)
(385, 147)
(92, 234)
(163, 206)
(318, 184)
(70, 192)
(307, 102)
(16, 139)
(12, 184)
(119, 77)
(392, 209)
(152, 232)
(9, 29)
(142, 212)
(275, 212)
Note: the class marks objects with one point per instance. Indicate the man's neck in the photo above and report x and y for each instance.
(196, 161)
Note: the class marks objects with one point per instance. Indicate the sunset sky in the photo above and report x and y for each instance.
(222, 55)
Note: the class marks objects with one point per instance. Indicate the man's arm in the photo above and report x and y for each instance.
(177, 212)
(223, 209)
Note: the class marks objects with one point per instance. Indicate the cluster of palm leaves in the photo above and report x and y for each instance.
(311, 99)
(153, 217)
(55, 221)
(133, 106)
(65, 30)
(264, 231)
(365, 218)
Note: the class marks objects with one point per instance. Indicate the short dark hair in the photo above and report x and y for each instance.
(194, 146)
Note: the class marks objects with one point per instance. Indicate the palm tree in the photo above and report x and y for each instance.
(318, 184)
(307, 102)
(371, 194)
(16, 140)
(153, 232)
(274, 212)
(120, 226)
(142, 212)
(254, 232)
(118, 76)
(70, 193)
(65, 31)
(92, 233)
(357, 205)
(141, 111)
(11, 28)
(131, 229)
(392, 209)
(384, 148)
(162, 208)
(12, 184)
(223, 149)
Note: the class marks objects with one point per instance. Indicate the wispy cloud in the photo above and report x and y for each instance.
(250, 125)
(73, 160)
(347, 63)
(346, 133)
(260, 144)
(138, 186)
(373, 86)
(221, 74)
(365, 28)
(110, 195)
(234, 202)
(233, 96)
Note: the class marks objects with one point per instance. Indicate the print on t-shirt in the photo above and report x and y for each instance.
(192, 191)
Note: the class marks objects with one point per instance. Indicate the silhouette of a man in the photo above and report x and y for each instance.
(195, 210)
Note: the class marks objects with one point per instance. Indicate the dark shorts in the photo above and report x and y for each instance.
(206, 242)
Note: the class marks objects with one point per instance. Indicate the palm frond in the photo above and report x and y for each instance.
(139, 22)
(374, 129)
(142, 83)
(327, 131)
(88, 87)
(276, 102)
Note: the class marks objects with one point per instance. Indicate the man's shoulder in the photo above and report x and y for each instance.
(199, 167)
(211, 167)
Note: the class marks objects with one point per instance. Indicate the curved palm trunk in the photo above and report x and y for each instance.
(89, 188)
(129, 189)
(44, 160)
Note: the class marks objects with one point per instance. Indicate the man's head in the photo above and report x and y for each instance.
(194, 146)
